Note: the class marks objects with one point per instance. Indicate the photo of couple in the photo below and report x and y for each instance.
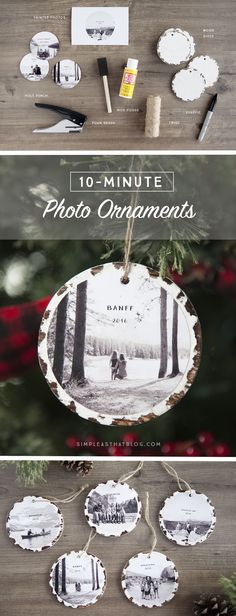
(187, 518)
(120, 350)
(118, 366)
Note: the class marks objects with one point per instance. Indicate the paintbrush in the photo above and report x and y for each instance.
(103, 70)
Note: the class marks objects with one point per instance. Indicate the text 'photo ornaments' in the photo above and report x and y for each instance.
(35, 523)
(119, 354)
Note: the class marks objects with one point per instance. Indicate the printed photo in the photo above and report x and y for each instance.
(35, 523)
(44, 45)
(113, 508)
(78, 579)
(187, 518)
(66, 73)
(100, 25)
(149, 580)
(122, 350)
(33, 68)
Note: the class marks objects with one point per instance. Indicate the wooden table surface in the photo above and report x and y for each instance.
(24, 575)
(211, 22)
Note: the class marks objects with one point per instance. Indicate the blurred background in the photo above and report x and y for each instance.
(34, 422)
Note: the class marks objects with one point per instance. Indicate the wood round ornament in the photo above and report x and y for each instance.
(208, 68)
(175, 46)
(187, 518)
(113, 508)
(78, 579)
(120, 354)
(35, 523)
(150, 579)
(188, 84)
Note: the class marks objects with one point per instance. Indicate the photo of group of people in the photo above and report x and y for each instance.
(149, 580)
(187, 518)
(34, 523)
(78, 579)
(112, 508)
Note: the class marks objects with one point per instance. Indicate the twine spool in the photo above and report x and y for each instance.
(153, 116)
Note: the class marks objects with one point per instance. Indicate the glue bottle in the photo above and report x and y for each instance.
(129, 79)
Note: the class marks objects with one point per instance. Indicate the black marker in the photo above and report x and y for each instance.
(207, 118)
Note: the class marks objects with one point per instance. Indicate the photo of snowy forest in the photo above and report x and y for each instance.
(78, 579)
(119, 349)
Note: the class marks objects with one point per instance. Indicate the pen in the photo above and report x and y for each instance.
(207, 119)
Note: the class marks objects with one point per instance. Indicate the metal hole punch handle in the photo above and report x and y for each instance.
(73, 120)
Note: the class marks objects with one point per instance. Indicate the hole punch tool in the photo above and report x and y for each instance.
(73, 121)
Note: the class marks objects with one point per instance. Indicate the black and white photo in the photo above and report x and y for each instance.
(120, 351)
(35, 523)
(100, 25)
(44, 45)
(66, 73)
(150, 580)
(78, 579)
(187, 518)
(113, 508)
(34, 69)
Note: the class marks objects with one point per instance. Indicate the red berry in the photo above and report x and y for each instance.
(129, 437)
(90, 439)
(115, 451)
(222, 449)
(192, 450)
(205, 439)
(71, 442)
(168, 449)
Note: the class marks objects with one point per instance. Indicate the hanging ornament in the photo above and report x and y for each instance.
(150, 579)
(113, 508)
(35, 523)
(78, 579)
(187, 517)
(119, 345)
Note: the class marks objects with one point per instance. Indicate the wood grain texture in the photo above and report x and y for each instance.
(180, 121)
(24, 575)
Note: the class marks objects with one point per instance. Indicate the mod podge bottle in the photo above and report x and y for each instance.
(129, 79)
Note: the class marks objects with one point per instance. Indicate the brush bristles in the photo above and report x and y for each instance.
(102, 66)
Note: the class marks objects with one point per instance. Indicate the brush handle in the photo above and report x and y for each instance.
(107, 94)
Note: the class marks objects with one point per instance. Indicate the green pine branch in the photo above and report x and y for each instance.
(28, 473)
(229, 587)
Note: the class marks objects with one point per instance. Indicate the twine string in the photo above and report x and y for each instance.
(150, 525)
(127, 476)
(173, 473)
(130, 225)
(70, 498)
(91, 536)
